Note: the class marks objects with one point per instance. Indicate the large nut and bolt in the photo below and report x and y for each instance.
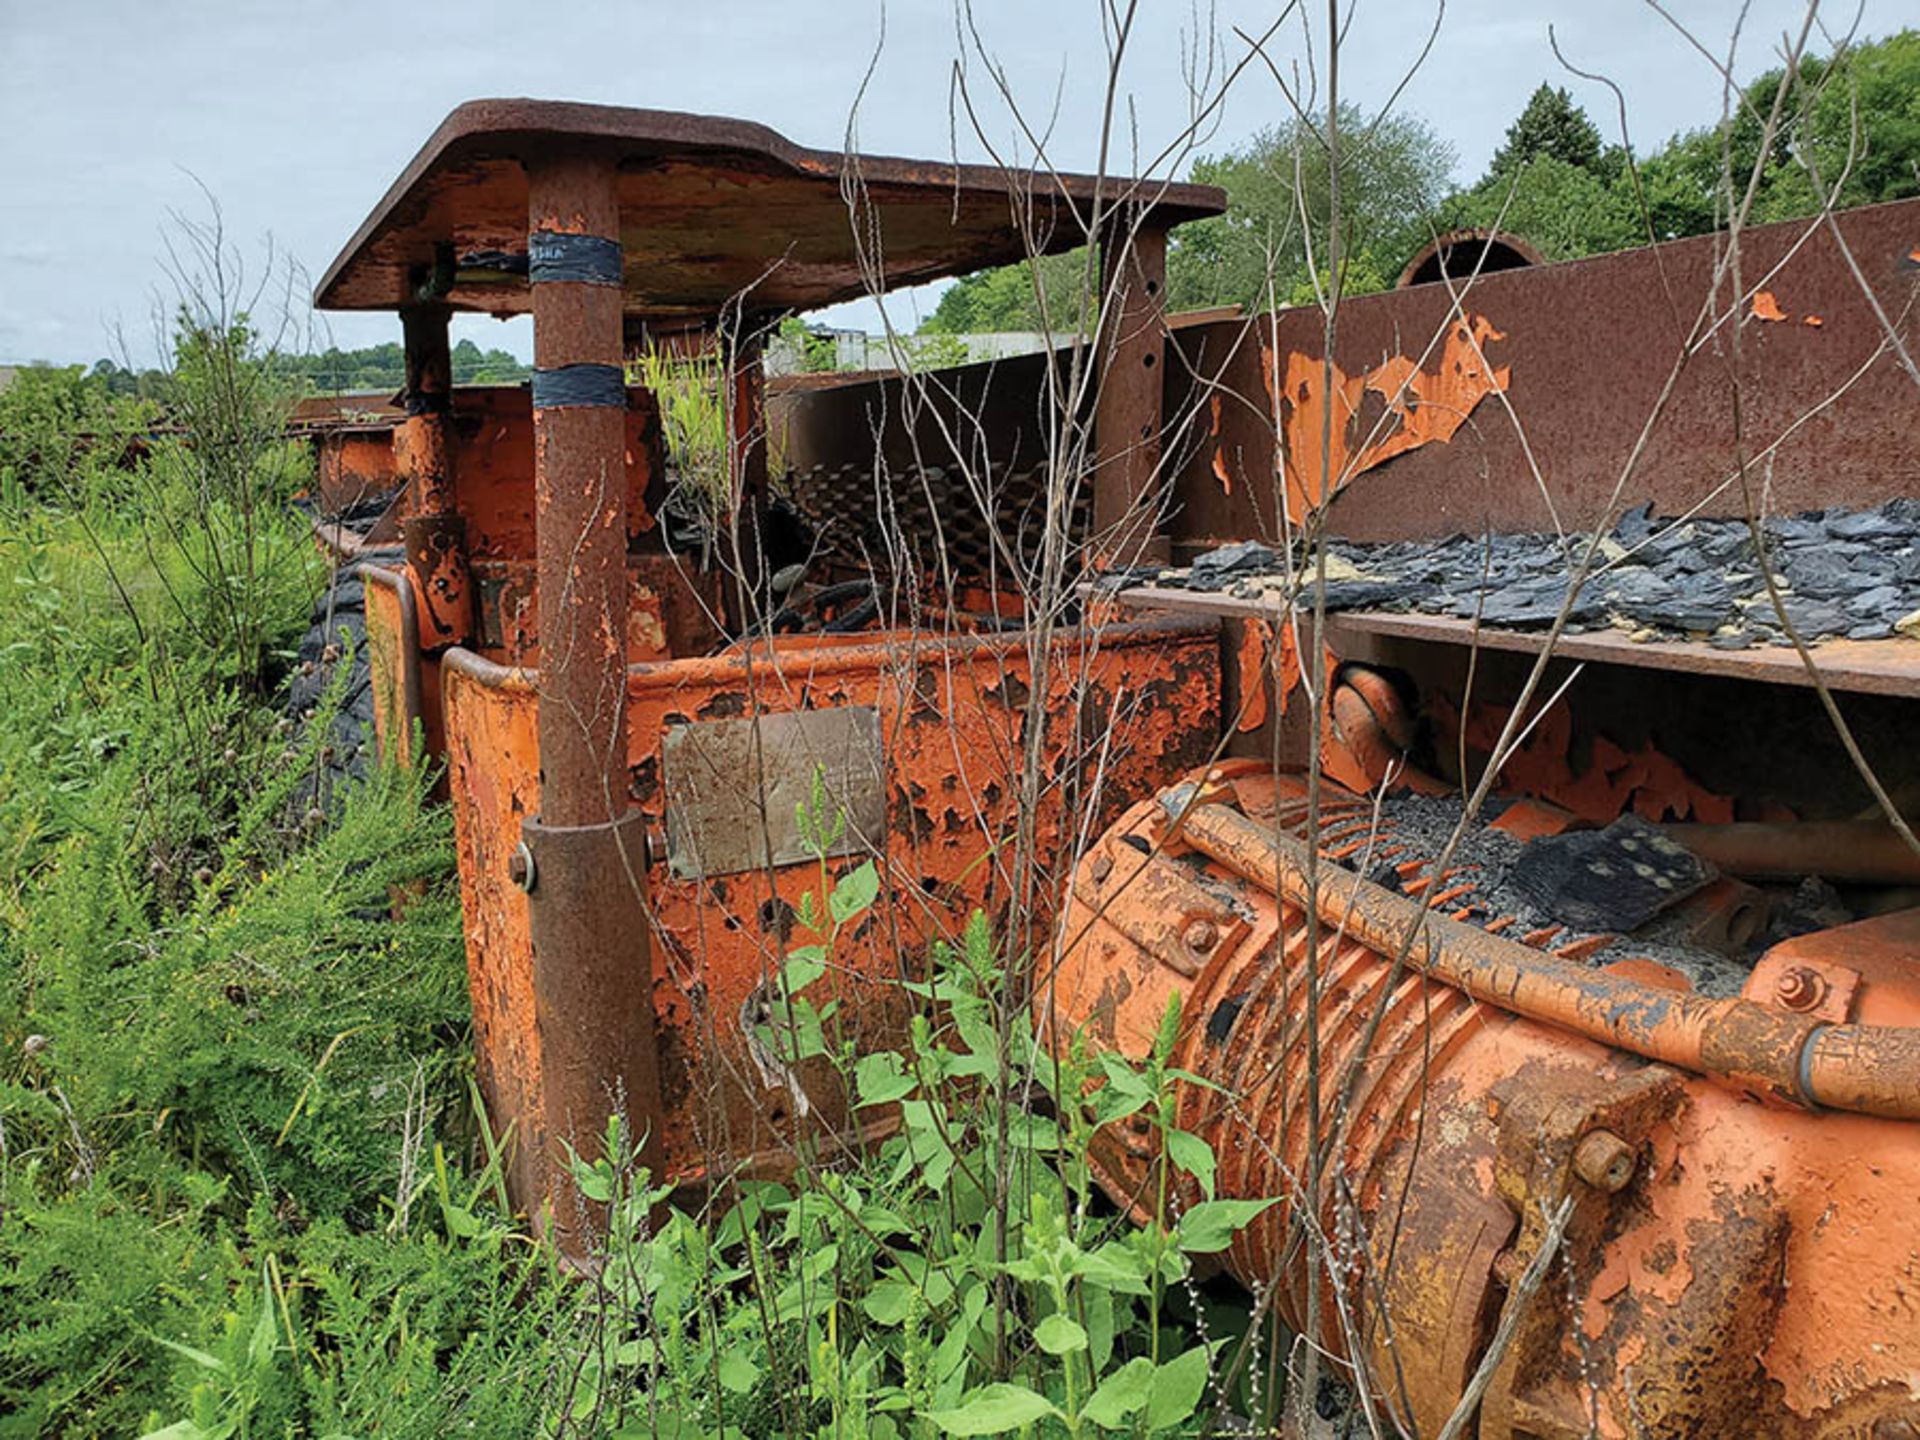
(1800, 988)
(1202, 936)
(1604, 1161)
(520, 867)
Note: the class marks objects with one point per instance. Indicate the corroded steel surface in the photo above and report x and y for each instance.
(591, 954)
(435, 533)
(705, 205)
(580, 515)
(436, 549)
(353, 464)
(952, 712)
(1128, 479)
(1587, 347)
(1730, 1268)
(1419, 401)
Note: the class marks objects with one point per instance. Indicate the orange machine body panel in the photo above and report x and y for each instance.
(1120, 716)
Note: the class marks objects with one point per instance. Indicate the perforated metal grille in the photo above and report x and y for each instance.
(862, 519)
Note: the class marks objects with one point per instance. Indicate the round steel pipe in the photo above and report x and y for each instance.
(1869, 852)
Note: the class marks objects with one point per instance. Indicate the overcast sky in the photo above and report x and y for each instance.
(298, 115)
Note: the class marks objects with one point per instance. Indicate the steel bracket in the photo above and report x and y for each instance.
(592, 975)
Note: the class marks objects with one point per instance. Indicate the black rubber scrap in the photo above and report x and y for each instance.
(1607, 881)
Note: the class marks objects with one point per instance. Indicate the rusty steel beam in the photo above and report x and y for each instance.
(1127, 478)
(583, 862)
(434, 532)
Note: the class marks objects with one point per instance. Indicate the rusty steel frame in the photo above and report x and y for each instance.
(1536, 1108)
(1128, 484)
(950, 711)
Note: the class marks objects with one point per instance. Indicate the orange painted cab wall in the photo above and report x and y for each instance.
(1136, 710)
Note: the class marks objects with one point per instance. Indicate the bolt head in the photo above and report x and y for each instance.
(520, 867)
(1202, 935)
(1800, 988)
(1605, 1161)
(1101, 867)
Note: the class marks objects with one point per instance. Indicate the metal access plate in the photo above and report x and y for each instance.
(733, 788)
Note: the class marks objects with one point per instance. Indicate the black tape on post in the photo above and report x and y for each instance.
(428, 402)
(599, 385)
(553, 255)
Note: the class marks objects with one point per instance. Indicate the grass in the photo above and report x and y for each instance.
(245, 1183)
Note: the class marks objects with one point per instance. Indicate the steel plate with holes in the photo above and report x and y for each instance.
(732, 794)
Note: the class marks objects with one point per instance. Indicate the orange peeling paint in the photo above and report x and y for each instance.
(1614, 781)
(1422, 407)
(1254, 686)
(1219, 455)
(1765, 307)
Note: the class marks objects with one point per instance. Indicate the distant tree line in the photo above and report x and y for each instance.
(1554, 182)
(334, 371)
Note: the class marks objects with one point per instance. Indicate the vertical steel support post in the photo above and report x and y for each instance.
(586, 862)
(747, 462)
(435, 533)
(1127, 481)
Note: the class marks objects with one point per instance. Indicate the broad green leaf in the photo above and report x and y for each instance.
(1123, 1077)
(1120, 1394)
(994, 1410)
(950, 1355)
(883, 1222)
(805, 965)
(888, 1302)
(1177, 1388)
(460, 1221)
(1057, 1335)
(880, 1079)
(853, 893)
(1098, 1304)
(983, 1041)
(1193, 1155)
(932, 1280)
(737, 1373)
(819, 1262)
(1115, 1266)
(1212, 1224)
(1034, 1132)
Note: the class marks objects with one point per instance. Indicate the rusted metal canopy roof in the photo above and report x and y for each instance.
(709, 208)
